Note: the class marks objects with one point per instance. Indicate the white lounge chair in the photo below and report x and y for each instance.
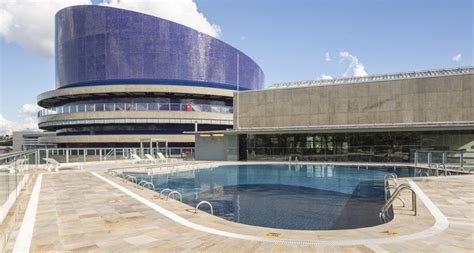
(137, 159)
(53, 165)
(164, 159)
(151, 158)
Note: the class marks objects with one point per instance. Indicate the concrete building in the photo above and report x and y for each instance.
(376, 118)
(123, 76)
(26, 140)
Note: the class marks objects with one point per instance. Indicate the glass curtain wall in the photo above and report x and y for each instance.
(362, 147)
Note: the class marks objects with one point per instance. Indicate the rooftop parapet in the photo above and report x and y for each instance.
(378, 78)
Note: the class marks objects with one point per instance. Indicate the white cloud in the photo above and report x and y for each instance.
(326, 77)
(457, 58)
(327, 57)
(30, 23)
(28, 122)
(7, 126)
(30, 109)
(184, 12)
(355, 68)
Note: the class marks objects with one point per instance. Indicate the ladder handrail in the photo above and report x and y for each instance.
(143, 181)
(204, 202)
(165, 190)
(175, 192)
(395, 195)
(387, 185)
(424, 173)
(130, 178)
(149, 183)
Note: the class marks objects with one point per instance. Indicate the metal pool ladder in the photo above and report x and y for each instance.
(130, 178)
(175, 192)
(388, 204)
(149, 184)
(164, 190)
(204, 202)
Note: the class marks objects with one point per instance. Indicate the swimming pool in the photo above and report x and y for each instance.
(303, 197)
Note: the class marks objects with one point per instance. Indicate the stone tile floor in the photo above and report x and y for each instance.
(78, 212)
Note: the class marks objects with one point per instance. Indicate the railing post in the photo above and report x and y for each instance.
(416, 158)
(429, 159)
(67, 155)
(461, 162)
(100, 154)
(37, 158)
(445, 154)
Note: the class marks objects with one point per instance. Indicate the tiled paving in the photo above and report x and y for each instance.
(79, 212)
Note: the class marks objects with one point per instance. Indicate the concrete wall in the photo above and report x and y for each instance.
(52, 97)
(221, 118)
(20, 136)
(216, 148)
(424, 100)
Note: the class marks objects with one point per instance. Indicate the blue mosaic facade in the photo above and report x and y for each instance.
(98, 45)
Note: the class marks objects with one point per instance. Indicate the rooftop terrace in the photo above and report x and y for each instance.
(92, 211)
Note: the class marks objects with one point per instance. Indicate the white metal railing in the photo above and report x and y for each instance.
(135, 107)
(444, 160)
(73, 155)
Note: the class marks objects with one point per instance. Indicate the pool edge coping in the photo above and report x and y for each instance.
(441, 223)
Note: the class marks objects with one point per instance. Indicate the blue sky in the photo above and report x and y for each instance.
(291, 39)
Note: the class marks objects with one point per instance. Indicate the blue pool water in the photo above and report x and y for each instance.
(307, 197)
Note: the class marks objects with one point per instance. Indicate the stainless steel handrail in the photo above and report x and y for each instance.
(427, 174)
(164, 190)
(142, 182)
(387, 185)
(389, 203)
(393, 177)
(149, 184)
(204, 202)
(175, 192)
(131, 178)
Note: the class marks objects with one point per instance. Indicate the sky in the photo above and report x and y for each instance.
(291, 40)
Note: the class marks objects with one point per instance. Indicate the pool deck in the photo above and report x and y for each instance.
(88, 210)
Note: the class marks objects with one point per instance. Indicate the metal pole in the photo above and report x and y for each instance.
(444, 162)
(141, 146)
(416, 158)
(429, 159)
(461, 162)
(37, 158)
